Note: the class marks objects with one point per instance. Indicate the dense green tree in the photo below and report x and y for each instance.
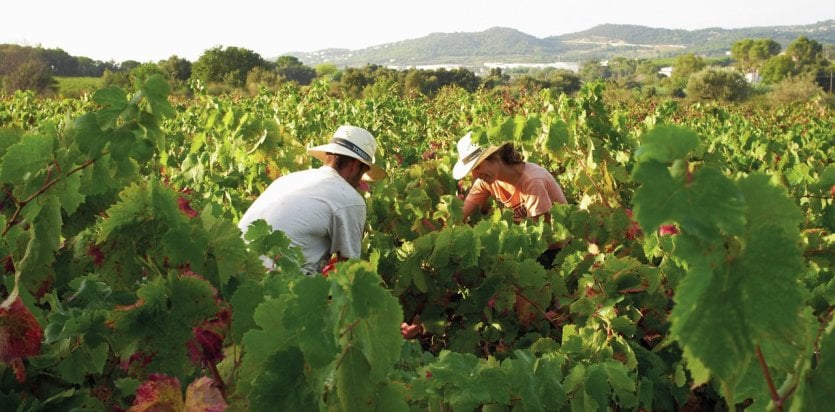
(229, 65)
(30, 75)
(93, 68)
(684, 66)
(648, 71)
(327, 70)
(260, 77)
(414, 81)
(718, 84)
(805, 52)
(291, 69)
(809, 57)
(128, 65)
(145, 70)
(777, 68)
(60, 62)
(622, 69)
(12, 56)
(176, 69)
(354, 80)
(495, 78)
(116, 78)
(750, 54)
(592, 70)
(562, 81)
(687, 64)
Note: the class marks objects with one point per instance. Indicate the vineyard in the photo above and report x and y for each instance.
(696, 272)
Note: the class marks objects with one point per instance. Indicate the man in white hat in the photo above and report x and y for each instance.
(320, 210)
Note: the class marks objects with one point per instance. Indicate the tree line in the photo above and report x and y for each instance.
(805, 64)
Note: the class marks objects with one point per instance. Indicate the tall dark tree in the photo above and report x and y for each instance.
(60, 62)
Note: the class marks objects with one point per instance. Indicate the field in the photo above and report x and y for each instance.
(77, 86)
(697, 272)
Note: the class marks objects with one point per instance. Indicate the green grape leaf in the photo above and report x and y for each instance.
(182, 244)
(280, 385)
(41, 247)
(815, 391)
(121, 144)
(227, 249)
(596, 387)
(246, 298)
(26, 159)
(548, 375)
(308, 317)
(156, 90)
(768, 204)
(355, 390)
(271, 337)
(372, 324)
(69, 192)
(665, 143)
(391, 397)
(720, 314)
(82, 361)
(526, 127)
(622, 384)
(520, 374)
(114, 101)
(8, 137)
(441, 252)
(163, 318)
(89, 135)
(709, 203)
(558, 138)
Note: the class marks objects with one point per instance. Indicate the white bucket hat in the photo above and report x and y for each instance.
(355, 142)
(469, 156)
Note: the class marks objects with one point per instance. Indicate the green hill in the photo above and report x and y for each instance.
(507, 45)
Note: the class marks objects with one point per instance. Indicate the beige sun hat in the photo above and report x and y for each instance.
(355, 142)
(469, 156)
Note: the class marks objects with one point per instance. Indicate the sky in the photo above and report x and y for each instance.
(154, 30)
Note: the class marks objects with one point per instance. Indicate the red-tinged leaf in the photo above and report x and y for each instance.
(20, 335)
(136, 363)
(19, 369)
(8, 264)
(95, 252)
(665, 230)
(203, 395)
(206, 346)
(158, 393)
(185, 206)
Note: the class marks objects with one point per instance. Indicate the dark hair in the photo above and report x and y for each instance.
(340, 161)
(508, 154)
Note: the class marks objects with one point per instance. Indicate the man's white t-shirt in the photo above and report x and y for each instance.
(318, 210)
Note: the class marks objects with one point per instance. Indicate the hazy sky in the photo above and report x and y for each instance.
(152, 30)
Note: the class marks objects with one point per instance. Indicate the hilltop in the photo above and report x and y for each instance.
(508, 45)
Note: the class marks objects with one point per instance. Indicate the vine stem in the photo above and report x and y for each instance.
(221, 386)
(775, 396)
(535, 305)
(44, 188)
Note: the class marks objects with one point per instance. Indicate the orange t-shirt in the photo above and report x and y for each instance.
(536, 193)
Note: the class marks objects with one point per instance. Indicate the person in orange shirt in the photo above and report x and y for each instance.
(500, 172)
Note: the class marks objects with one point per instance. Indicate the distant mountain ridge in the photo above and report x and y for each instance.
(507, 45)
